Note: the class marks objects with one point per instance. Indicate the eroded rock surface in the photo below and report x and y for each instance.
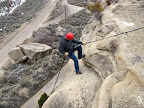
(32, 51)
(115, 61)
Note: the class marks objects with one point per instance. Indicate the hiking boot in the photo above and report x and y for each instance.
(78, 72)
(83, 55)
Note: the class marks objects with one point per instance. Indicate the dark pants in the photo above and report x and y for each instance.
(74, 58)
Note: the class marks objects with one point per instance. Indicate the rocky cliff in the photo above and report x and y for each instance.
(113, 69)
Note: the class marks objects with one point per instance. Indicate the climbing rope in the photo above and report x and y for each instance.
(95, 41)
(58, 74)
(117, 34)
(91, 42)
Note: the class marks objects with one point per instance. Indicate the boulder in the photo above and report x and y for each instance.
(2, 72)
(88, 12)
(16, 55)
(35, 50)
(7, 65)
(24, 92)
(59, 31)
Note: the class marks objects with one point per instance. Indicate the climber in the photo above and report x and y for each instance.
(67, 47)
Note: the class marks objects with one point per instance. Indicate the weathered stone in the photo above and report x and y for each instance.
(59, 31)
(128, 93)
(24, 92)
(88, 12)
(76, 90)
(2, 72)
(16, 55)
(103, 97)
(7, 65)
(101, 64)
(109, 44)
(106, 29)
(35, 50)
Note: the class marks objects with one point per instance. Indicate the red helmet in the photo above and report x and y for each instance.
(69, 36)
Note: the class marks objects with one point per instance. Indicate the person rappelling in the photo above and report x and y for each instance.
(68, 45)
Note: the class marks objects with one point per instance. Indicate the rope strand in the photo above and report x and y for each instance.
(58, 74)
(117, 34)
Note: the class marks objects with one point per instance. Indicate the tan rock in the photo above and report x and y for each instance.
(24, 92)
(2, 72)
(59, 31)
(7, 65)
(88, 12)
(128, 93)
(76, 90)
(35, 50)
(101, 64)
(106, 29)
(109, 44)
(103, 97)
(16, 55)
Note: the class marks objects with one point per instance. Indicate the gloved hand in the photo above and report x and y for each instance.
(66, 53)
(83, 43)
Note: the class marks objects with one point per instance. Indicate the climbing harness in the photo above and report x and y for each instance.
(117, 34)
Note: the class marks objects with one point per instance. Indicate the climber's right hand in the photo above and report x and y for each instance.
(66, 53)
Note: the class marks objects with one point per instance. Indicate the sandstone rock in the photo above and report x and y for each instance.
(103, 97)
(35, 50)
(2, 72)
(128, 93)
(88, 12)
(101, 64)
(109, 44)
(76, 90)
(24, 92)
(106, 29)
(59, 31)
(7, 65)
(16, 55)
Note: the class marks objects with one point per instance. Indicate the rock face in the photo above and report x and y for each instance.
(32, 51)
(131, 91)
(76, 90)
(113, 69)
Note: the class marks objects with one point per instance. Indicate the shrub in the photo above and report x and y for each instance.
(113, 45)
(95, 8)
(24, 83)
(42, 99)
